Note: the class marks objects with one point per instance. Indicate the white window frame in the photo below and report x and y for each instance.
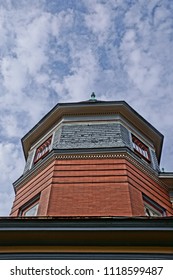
(152, 209)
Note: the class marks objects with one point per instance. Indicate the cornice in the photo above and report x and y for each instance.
(119, 153)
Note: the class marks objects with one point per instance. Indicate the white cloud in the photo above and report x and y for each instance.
(10, 126)
(62, 51)
(98, 20)
(9, 155)
(11, 166)
(13, 74)
(84, 71)
(61, 22)
(6, 199)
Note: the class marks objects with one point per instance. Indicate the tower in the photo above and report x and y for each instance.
(92, 159)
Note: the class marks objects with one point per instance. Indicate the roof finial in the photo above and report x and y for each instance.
(93, 97)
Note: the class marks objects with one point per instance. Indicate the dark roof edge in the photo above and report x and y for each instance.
(87, 223)
(102, 103)
(166, 174)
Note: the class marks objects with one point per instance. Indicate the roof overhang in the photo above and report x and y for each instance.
(90, 108)
(81, 232)
(167, 179)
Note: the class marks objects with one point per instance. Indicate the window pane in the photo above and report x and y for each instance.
(32, 211)
(141, 148)
(152, 212)
(43, 149)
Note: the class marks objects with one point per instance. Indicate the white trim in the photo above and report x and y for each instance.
(152, 211)
(46, 136)
(32, 159)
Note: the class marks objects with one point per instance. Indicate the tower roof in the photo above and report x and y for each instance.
(92, 107)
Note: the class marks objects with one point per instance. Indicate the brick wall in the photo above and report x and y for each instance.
(91, 187)
(32, 188)
(140, 183)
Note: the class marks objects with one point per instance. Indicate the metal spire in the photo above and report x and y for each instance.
(93, 97)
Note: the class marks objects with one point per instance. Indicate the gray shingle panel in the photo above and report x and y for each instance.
(125, 134)
(56, 138)
(92, 136)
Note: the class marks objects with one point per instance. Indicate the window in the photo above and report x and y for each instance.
(43, 150)
(30, 208)
(152, 209)
(140, 148)
(31, 211)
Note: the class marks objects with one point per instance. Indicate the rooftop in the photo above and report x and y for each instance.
(92, 107)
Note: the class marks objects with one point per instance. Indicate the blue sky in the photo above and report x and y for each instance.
(61, 50)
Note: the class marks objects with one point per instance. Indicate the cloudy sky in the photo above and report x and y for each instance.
(61, 50)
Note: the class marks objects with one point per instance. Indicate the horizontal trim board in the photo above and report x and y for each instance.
(47, 222)
(85, 249)
(85, 256)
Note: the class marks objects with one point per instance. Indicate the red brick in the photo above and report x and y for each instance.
(91, 187)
